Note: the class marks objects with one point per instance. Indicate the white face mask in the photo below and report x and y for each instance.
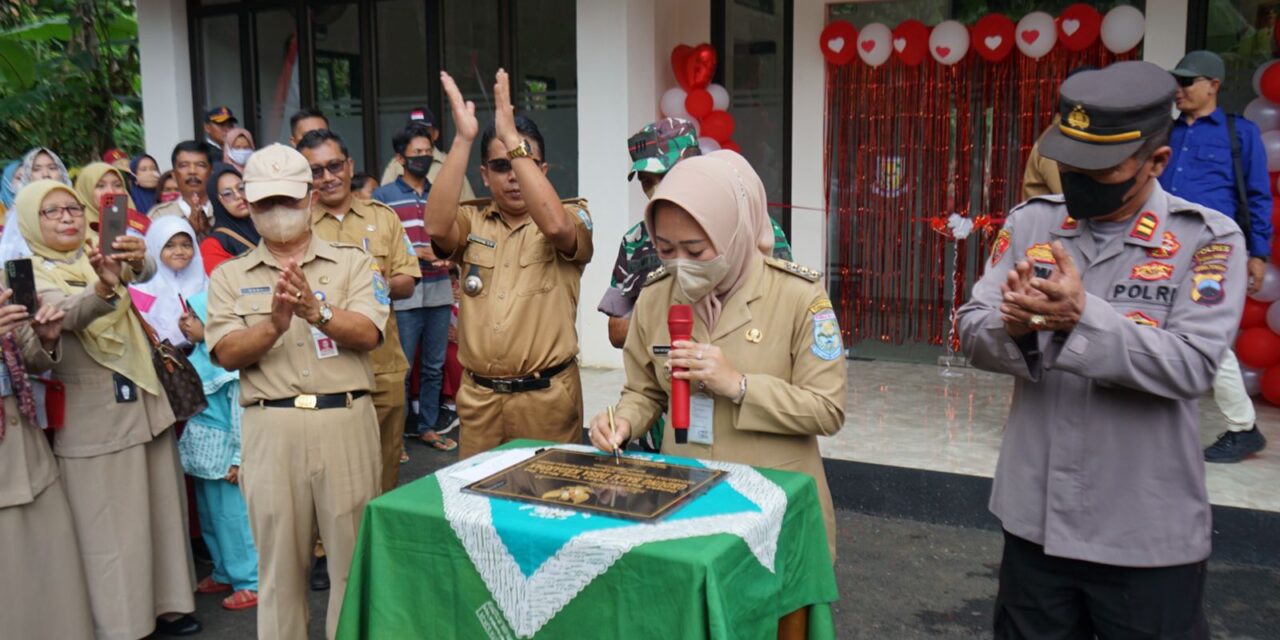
(239, 156)
(281, 223)
(695, 279)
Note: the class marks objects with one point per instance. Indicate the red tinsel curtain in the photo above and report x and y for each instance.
(907, 146)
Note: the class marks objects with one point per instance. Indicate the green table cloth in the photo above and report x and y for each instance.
(434, 562)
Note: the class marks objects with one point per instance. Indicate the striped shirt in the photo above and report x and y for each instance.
(410, 206)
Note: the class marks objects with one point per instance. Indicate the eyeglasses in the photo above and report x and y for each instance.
(55, 213)
(236, 191)
(1185, 82)
(502, 165)
(335, 168)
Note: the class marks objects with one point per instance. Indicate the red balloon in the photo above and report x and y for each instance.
(700, 67)
(1270, 83)
(1271, 385)
(718, 125)
(837, 41)
(699, 103)
(1275, 207)
(1079, 26)
(731, 146)
(992, 37)
(911, 42)
(1258, 347)
(1255, 314)
(678, 57)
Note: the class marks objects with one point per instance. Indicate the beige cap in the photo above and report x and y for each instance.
(276, 170)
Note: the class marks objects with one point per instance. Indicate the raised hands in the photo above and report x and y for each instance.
(465, 125)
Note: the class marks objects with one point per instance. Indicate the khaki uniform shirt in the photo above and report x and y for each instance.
(524, 319)
(1101, 456)
(240, 294)
(376, 228)
(1040, 177)
(780, 330)
(178, 208)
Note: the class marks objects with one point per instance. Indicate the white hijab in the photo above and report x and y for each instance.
(160, 295)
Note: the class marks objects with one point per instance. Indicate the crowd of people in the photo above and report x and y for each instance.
(332, 316)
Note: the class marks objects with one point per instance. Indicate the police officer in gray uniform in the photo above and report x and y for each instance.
(1111, 305)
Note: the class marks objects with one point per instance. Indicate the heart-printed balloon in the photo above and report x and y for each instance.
(678, 57)
(837, 42)
(700, 67)
(1036, 34)
(949, 42)
(993, 37)
(1079, 26)
(875, 44)
(911, 42)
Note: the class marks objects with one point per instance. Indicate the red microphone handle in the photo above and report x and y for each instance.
(680, 327)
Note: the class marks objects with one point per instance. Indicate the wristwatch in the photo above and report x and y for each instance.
(326, 314)
(521, 151)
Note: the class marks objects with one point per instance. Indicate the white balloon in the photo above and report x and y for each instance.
(1257, 76)
(719, 97)
(1271, 143)
(875, 43)
(949, 42)
(1273, 317)
(707, 145)
(1252, 380)
(1264, 113)
(1036, 34)
(1270, 291)
(673, 103)
(1123, 28)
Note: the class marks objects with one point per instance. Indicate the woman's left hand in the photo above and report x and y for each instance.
(130, 249)
(705, 364)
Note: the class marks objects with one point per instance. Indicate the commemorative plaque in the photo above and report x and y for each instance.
(625, 487)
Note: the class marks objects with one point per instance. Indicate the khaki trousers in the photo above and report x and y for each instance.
(305, 470)
(490, 419)
(388, 401)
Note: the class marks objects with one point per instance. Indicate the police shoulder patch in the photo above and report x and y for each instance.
(656, 275)
(826, 336)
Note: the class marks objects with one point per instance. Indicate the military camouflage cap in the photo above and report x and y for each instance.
(660, 145)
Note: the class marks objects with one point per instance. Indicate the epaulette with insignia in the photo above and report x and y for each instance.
(812, 275)
(656, 275)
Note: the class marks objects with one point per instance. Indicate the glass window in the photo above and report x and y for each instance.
(276, 48)
(339, 74)
(403, 76)
(754, 66)
(1242, 32)
(220, 37)
(547, 88)
(471, 56)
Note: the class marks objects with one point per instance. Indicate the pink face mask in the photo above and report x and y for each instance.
(170, 196)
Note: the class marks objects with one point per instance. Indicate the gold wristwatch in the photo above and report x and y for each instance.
(521, 151)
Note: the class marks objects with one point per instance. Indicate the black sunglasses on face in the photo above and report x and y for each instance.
(1185, 82)
(335, 168)
(502, 165)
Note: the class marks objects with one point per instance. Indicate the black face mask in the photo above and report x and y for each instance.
(1087, 198)
(417, 166)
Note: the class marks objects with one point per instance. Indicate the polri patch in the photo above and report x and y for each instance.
(1042, 253)
(381, 292)
(1145, 227)
(1001, 245)
(1142, 319)
(1169, 246)
(1208, 288)
(253, 291)
(1151, 271)
(826, 336)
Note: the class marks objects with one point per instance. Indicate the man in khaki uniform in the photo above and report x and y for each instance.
(337, 216)
(522, 256)
(298, 316)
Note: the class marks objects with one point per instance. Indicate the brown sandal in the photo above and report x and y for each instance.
(438, 441)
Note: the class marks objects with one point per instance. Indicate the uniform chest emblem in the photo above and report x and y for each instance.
(1169, 246)
(1001, 245)
(1207, 288)
(1041, 253)
(1142, 319)
(754, 336)
(1151, 271)
(826, 336)
(1145, 227)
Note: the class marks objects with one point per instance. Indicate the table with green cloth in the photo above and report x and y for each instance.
(433, 561)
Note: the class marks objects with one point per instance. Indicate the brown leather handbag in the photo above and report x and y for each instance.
(181, 382)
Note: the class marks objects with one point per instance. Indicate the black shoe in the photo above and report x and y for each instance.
(446, 421)
(187, 625)
(320, 575)
(1234, 446)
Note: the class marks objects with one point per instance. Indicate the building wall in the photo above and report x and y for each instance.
(166, 75)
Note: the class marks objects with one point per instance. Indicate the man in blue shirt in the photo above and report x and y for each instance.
(1202, 170)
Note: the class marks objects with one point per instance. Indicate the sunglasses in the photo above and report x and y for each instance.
(1185, 82)
(335, 168)
(502, 165)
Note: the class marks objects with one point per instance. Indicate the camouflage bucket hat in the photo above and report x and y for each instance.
(660, 145)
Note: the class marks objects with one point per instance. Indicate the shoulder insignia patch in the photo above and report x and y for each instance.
(656, 275)
(826, 336)
(1001, 245)
(381, 291)
(1069, 223)
(812, 275)
(1041, 252)
(1143, 319)
(1145, 227)
(584, 217)
(820, 305)
(1169, 246)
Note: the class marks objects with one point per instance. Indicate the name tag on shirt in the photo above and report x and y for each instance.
(126, 390)
(325, 346)
(702, 413)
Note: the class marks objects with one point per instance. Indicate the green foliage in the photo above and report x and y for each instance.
(69, 78)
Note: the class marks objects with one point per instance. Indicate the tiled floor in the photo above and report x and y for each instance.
(912, 415)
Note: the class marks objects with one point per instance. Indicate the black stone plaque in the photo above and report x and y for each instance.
(625, 487)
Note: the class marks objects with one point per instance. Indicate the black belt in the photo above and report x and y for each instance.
(330, 401)
(534, 382)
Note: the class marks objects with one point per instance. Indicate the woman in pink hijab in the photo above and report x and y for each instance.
(766, 366)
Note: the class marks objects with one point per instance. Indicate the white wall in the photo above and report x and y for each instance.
(808, 104)
(166, 75)
(1165, 41)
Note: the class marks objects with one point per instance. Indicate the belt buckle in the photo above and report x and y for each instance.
(306, 401)
(503, 386)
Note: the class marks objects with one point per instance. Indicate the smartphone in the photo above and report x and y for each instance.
(22, 280)
(115, 220)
